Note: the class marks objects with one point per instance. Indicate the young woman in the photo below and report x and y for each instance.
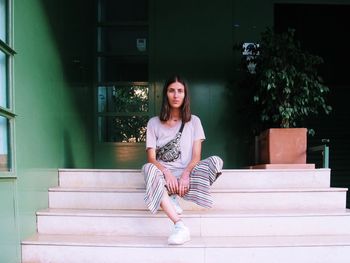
(174, 167)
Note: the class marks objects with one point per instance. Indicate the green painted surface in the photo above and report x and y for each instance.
(53, 103)
(53, 127)
(9, 239)
(123, 157)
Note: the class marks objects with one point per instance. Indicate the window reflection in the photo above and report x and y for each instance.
(124, 99)
(3, 80)
(3, 20)
(4, 138)
(122, 128)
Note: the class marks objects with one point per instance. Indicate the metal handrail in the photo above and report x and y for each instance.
(324, 148)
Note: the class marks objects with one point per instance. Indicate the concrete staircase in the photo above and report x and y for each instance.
(270, 216)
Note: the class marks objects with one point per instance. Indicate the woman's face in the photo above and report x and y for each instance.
(176, 95)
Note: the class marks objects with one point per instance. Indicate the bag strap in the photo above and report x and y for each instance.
(182, 127)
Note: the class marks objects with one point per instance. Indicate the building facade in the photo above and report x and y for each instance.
(74, 75)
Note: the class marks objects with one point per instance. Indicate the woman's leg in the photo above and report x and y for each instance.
(157, 196)
(180, 233)
(168, 208)
(203, 175)
(154, 181)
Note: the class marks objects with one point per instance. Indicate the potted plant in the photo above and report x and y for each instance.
(284, 88)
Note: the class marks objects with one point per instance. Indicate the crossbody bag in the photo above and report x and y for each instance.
(170, 151)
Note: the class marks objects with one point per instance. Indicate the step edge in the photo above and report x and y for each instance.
(194, 214)
(233, 190)
(197, 242)
(224, 170)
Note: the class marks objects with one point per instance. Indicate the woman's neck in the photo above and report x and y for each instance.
(175, 115)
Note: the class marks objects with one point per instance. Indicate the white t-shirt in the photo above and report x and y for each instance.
(158, 134)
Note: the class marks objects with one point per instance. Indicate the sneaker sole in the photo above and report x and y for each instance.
(177, 244)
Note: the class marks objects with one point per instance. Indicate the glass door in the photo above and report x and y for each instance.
(124, 98)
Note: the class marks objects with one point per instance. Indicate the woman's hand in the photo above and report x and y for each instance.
(171, 182)
(184, 183)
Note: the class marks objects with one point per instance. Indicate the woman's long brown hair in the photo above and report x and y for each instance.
(185, 107)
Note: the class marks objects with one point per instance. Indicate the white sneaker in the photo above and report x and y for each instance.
(178, 209)
(180, 234)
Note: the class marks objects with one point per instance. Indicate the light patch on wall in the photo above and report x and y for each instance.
(141, 44)
(250, 50)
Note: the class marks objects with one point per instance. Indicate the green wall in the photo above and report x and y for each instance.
(197, 43)
(52, 99)
(9, 235)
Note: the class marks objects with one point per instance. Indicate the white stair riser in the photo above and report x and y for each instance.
(101, 179)
(86, 254)
(331, 254)
(199, 226)
(233, 179)
(234, 201)
(73, 254)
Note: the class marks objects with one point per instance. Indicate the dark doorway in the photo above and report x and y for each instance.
(322, 30)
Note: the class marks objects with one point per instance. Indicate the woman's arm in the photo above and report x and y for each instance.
(184, 182)
(170, 179)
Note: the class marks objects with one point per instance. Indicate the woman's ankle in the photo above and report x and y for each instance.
(179, 222)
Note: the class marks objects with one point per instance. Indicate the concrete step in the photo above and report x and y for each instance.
(108, 249)
(231, 199)
(233, 179)
(208, 223)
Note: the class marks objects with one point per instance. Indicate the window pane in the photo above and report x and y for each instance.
(4, 144)
(122, 11)
(3, 20)
(3, 80)
(113, 69)
(133, 98)
(124, 40)
(122, 129)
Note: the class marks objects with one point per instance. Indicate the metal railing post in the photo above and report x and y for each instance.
(326, 156)
(325, 153)
(324, 148)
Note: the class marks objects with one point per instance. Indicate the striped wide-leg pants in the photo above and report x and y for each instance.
(202, 176)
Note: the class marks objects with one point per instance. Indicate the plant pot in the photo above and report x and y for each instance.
(283, 146)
